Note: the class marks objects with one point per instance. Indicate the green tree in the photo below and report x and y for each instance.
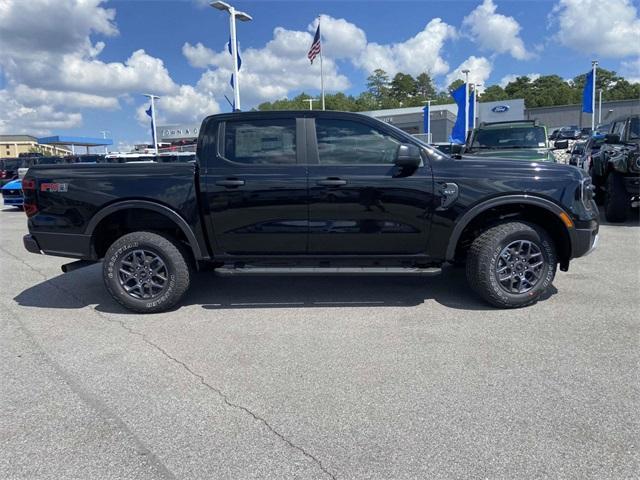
(424, 86)
(493, 93)
(378, 84)
(455, 84)
(403, 88)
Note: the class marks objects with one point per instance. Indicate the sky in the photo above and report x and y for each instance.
(78, 67)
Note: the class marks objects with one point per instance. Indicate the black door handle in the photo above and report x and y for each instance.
(332, 182)
(230, 182)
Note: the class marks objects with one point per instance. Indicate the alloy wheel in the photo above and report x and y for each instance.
(520, 266)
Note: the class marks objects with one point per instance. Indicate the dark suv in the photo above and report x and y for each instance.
(615, 170)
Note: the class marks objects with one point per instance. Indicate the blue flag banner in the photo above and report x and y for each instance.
(153, 127)
(587, 93)
(457, 133)
(426, 119)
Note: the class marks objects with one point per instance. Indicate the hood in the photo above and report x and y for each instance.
(13, 185)
(529, 154)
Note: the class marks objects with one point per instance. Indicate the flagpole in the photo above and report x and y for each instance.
(594, 64)
(321, 67)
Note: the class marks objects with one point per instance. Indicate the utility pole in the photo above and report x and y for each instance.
(466, 103)
(310, 100)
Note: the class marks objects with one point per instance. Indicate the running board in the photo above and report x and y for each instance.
(230, 270)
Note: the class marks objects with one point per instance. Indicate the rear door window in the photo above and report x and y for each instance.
(261, 142)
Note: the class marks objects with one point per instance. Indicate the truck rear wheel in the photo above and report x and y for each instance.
(512, 264)
(616, 200)
(146, 272)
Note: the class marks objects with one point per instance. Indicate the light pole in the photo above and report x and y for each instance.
(243, 17)
(153, 98)
(475, 103)
(310, 100)
(466, 103)
(104, 135)
(427, 120)
(594, 66)
(599, 106)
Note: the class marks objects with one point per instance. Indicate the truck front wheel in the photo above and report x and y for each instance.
(146, 272)
(512, 264)
(616, 200)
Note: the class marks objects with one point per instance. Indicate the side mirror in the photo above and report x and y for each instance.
(560, 144)
(612, 138)
(408, 156)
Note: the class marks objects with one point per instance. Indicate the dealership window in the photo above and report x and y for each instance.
(261, 142)
(347, 142)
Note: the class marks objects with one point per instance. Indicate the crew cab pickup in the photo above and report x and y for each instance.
(312, 192)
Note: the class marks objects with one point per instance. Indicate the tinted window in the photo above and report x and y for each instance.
(518, 137)
(348, 142)
(261, 142)
(618, 128)
(634, 128)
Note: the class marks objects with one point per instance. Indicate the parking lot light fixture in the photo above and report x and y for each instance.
(243, 17)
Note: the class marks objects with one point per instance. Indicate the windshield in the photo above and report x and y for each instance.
(9, 164)
(520, 137)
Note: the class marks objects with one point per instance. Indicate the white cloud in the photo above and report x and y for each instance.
(38, 96)
(38, 120)
(495, 32)
(340, 38)
(608, 28)
(504, 81)
(281, 67)
(61, 26)
(479, 71)
(630, 70)
(415, 55)
(198, 55)
(188, 105)
(275, 70)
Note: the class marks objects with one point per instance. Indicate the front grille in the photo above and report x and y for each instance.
(10, 193)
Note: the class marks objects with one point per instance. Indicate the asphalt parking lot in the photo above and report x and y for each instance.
(309, 377)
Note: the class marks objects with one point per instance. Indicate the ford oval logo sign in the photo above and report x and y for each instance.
(500, 108)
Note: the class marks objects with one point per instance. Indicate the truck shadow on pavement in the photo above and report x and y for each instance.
(84, 287)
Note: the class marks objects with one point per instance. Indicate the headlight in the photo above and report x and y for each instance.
(586, 192)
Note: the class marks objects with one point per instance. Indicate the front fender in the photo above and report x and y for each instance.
(472, 213)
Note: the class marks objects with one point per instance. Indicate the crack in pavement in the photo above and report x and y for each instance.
(102, 409)
(186, 367)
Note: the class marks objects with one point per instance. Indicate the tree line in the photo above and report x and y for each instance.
(403, 90)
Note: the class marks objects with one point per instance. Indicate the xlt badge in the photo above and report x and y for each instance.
(54, 187)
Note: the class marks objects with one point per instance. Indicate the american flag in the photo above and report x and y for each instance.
(315, 46)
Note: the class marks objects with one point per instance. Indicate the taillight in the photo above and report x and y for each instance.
(28, 184)
(30, 209)
(3, 174)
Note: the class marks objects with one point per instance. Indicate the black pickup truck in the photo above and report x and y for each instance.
(312, 192)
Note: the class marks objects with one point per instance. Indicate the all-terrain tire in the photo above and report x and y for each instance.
(616, 201)
(175, 270)
(484, 257)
